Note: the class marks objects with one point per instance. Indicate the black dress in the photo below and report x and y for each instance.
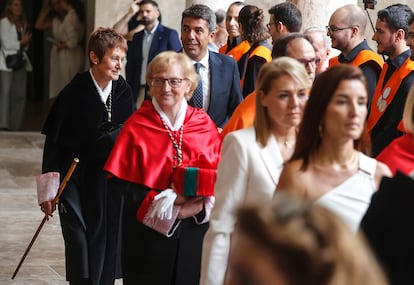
(89, 214)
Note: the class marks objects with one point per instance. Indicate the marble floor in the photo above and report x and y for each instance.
(20, 162)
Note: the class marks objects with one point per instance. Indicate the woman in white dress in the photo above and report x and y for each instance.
(327, 166)
(14, 36)
(67, 53)
(252, 158)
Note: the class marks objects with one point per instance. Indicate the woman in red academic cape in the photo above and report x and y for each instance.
(165, 162)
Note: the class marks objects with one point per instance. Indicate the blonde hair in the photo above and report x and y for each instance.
(408, 114)
(164, 60)
(309, 244)
(269, 72)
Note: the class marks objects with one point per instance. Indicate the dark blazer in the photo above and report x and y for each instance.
(225, 92)
(164, 39)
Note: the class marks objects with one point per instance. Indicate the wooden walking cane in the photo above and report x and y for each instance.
(46, 217)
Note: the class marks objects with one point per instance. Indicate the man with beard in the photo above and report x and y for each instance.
(285, 18)
(346, 30)
(145, 45)
(396, 78)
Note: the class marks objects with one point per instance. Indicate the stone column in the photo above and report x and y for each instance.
(317, 12)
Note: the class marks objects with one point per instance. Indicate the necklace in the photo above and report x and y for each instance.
(108, 106)
(351, 164)
(177, 146)
(287, 144)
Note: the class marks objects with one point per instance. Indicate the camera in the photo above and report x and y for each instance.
(369, 4)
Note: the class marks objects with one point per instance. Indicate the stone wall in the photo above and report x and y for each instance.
(315, 12)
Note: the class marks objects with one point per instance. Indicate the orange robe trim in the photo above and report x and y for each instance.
(262, 52)
(223, 49)
(243, 116)
(362, 57)
(383, 96)
(238, 51)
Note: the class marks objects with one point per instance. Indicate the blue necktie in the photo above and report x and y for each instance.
(197, 99)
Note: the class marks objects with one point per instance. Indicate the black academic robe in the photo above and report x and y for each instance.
(388, 227)
(89, 213)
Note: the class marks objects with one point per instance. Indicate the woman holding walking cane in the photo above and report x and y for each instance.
(83, 122)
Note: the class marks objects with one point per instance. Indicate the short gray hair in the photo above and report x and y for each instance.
(200, 11)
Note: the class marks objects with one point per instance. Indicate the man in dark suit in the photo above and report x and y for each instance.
(145, 45)
(220, 81)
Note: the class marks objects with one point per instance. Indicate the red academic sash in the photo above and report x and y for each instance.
(144, 154)
(383, 96)
(362, 57)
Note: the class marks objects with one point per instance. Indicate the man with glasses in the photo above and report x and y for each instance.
(322, 44)
(346, 30)
(294, 45)
(396, 78)
(285, 18)
(299, 47)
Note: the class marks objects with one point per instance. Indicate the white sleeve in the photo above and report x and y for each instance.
(229, 190)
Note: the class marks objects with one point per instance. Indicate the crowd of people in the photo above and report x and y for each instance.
(234, 152)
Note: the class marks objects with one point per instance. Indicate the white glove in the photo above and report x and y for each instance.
(47, 186)
(164, 204)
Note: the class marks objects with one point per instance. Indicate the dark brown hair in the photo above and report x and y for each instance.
(309, 138)
(21, 21)
(252, 20)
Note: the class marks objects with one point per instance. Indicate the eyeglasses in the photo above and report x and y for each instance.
(306, 62)
(336, 29)
(269, 25)
(173, 82)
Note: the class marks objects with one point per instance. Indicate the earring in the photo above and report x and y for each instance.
(320, 130)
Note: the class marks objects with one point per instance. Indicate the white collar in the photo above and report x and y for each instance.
(153, 29)
(103, 93)
(179, 121)
(203, 61)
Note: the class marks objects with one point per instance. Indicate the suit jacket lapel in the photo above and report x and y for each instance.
(155, 44)
(272, 158)
(215, 75)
